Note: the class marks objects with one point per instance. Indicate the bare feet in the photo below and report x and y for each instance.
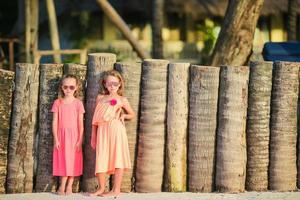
(111, 194)
(69, 191)
(97, 193)
(60, 191)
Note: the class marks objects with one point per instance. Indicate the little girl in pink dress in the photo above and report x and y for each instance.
(67, 128)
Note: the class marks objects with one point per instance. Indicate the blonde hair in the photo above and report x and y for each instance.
(115, 74)
(61, 92)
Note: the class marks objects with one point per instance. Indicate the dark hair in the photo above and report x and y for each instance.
(115, 74)
(60, 91)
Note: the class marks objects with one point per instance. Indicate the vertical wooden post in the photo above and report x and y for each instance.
(131, 73)
(23, 129)
(204, 85)
(283, 138)
(11, 55)
(50, 75)
(6, 91)
(152, 127)
(258, 121)
(177, 127)
(34, 24)
(53, 29)
(97, 64)
(27, 30)
(231, 138)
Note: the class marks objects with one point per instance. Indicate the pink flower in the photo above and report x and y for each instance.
(113, 102)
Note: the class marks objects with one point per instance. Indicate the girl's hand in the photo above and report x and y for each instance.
(56, 144)
(78, 146)
(93, 144)
(122, 118)
(93, 138)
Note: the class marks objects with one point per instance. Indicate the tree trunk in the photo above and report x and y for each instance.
(23, 129)
(177, 124)
(204, 85)
(54, 36)
(152, 127)
(293, 7)
(231, 138)
(258, 120)
(97, 64)
(50, 75)
(283, 138)
(79, 71)
(132, 76)
(157, 26)
(122, 26)
(6, 91)
(234, 44)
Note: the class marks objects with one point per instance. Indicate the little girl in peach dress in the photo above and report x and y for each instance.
(109, 137)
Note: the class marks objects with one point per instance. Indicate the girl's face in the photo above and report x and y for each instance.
(69, 87)
(112, 84)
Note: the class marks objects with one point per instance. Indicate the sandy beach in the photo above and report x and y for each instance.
(161, 196)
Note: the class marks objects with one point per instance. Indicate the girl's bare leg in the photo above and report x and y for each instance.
(101, 187)
(62, 186)
(117, 183)
(70, 185)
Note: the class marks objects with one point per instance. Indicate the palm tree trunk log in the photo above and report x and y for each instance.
(97, 64)
(23, 128)
(177, 127)
(6, 91)
(258, 121)
(50, 75)
(283, 138)
(79, 71)
(204, 85)
(231, 134)
(235, 40)
(131, 73)
(152, 126)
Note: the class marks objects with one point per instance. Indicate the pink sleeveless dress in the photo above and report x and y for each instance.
(111, 144)
(67, 160)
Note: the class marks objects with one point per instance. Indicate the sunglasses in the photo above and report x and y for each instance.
(112, 83)
(71, 87)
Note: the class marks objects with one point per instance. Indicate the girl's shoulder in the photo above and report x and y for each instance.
(124, 100)
(100, 97)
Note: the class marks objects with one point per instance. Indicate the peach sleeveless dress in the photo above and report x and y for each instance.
(67, 160)
(111, 144)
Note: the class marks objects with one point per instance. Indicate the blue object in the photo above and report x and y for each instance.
(282, 51)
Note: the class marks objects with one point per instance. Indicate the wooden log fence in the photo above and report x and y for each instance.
(132, 77)
(189, 133)
(97, 64)
(6, 91)
(283, 125)
(231, 134)
(50, 75)
(177, 127)
(152, 127)
(258, 120)
(204, 85)
(23, 129)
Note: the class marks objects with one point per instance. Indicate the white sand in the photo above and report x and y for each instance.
(161, 196)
